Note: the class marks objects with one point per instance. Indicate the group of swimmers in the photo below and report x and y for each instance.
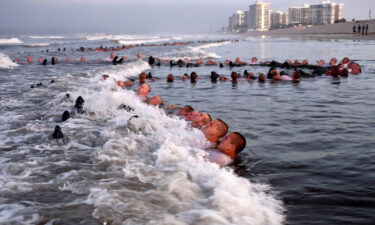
(125, 47)
(224, 146)
(342, 69)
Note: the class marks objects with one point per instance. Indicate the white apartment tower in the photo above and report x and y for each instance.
(279, 19)
(299, 15)
(326, 13)
(237, 20)
(259, 16)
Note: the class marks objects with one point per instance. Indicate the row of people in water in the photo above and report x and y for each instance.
(321, 63)
(102, 48)
(224, 146)
(273, 74)
(334, 67)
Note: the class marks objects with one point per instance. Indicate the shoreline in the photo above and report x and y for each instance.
(328, 31)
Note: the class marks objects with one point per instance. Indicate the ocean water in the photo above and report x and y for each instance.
(310, 146)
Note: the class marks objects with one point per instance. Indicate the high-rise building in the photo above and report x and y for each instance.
(279, 19)
(325, 13)
(237, 21)
(339, 12)
(299, 15)
(259, 16)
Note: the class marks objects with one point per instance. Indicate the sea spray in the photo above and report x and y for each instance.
(9, 41)
(6, 62)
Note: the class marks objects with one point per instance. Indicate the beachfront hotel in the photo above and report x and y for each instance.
(279, 19)
(260, 17)
(325, 13)
(237, 21)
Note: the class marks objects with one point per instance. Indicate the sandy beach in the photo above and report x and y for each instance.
(329, 31)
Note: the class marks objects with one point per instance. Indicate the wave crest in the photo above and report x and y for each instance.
(6, 62)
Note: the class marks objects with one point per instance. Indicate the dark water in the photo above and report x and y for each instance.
(312, 142)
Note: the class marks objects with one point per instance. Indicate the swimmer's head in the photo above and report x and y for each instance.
(156, 100)
(232, 144)
(296, 76)
(142, 77)
(193, 76)
(234, 75)
(200, 119)
(355, 68)
(185, 110)
(345, 60)
(144, 90)
(333, 61)
(262, 78)
(170, 78)
(215, 130)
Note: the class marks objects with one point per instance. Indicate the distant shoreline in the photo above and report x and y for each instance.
(329, 31)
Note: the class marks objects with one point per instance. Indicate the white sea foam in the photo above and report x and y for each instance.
(6, 62)
(122, 72)
(212, 45)
(145, 41)
(97, 37)
(11, 214)
(10, 41)
(44, 37)
(39, 44)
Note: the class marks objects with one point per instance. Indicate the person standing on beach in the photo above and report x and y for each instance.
(359, 29)
(354, 29)
(363, 30)
(366, 29)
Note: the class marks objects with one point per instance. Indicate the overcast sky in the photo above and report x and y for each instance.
(144, 16)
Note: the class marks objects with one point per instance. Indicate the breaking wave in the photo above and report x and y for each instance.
(6, 62)
(10, 41)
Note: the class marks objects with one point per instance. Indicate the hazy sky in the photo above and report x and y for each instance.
(144, 16)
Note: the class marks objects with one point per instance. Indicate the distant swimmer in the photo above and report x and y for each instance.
(120, 61)
(142, 78)
(79, 104)
(170, 78)
(44, 63)
(234, 77)
(65, 116)
(214, 77)
(53, 60)
(262, 78)
(149, 76)
(58, 134)
(114, 61)
(151, 60)
(193, 77)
